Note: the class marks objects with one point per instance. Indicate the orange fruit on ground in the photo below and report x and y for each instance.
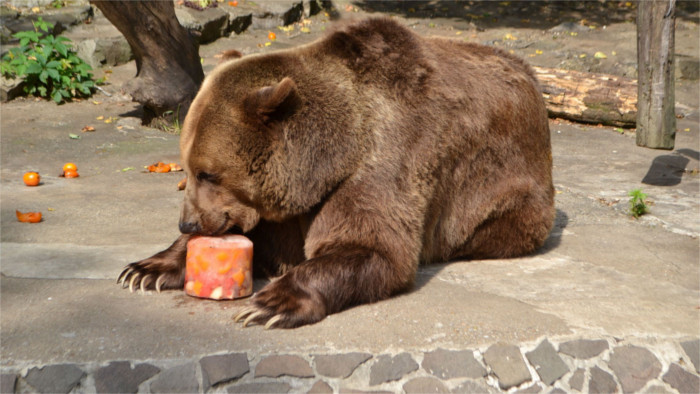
(28, 217)
(271, 36)
(70, 174)
(69, 167)
(31, 178)
(162, 167)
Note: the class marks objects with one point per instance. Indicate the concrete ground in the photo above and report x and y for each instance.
(601, 275)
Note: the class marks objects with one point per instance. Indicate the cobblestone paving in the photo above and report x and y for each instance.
(579, 365)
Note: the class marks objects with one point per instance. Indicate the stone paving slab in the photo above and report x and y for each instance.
(671, 371)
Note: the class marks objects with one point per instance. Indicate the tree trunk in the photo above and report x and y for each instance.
(168, 67)
(588, 97)
(656, 120)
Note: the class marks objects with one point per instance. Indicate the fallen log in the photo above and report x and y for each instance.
(589, 97)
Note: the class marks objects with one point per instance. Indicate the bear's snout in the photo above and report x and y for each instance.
(190, 227)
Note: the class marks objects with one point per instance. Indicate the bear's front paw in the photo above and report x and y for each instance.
(284, 304)
(152, 273)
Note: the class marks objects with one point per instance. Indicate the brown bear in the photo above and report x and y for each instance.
(350, 160)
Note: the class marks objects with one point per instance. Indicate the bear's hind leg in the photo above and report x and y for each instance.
(518, 230)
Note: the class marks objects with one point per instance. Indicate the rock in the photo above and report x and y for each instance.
(180, 379)
(223, 368)
(682, 380)
(66, 16)
(210, 23)
(388, 368)
(547, 363)
(239, 23)
(583, 348)
(447, 364)
(339, 365)
(534, 389)
(687, 67)
(119, 377)
(104, 51)
(11, 88)
(508, 365)
(57, 378)
(278, 13)
(576, 380)
(8, 382)
(692, 349)
(569, 27)
(7, 16)
(601, 382)
(272, 387)
(29, 3)
(425, 385)
(657, 389)
(473, 387)
(320, 387)
(312, 7)
(634, 367)
(276, 366)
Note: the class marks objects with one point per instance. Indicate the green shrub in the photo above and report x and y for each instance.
(48, 65)
(638, 204)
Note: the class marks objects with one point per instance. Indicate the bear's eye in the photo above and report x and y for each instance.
(207, 177)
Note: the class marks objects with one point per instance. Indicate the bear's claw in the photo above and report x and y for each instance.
(253, 314)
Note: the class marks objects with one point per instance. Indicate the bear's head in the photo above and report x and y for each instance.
(263, 139)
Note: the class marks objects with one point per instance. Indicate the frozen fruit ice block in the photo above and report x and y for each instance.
(219, 267)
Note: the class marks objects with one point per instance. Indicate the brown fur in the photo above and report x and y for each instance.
(350, 160)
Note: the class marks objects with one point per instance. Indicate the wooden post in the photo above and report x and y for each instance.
(656, 120)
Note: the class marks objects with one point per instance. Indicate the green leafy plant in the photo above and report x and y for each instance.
(638, 203)
(48, 65)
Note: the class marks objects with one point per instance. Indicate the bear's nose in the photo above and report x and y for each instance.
(189, 227)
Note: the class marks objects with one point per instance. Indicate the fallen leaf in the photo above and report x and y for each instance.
(100, 117)
(510, 37)
(87, 128)
(538, 52)
(28, 217)
(267, 44)
(96, 102)
(582, 55)
(600, 55)
(305, 30)
(74, 136)
(182, 184)
(127, 169)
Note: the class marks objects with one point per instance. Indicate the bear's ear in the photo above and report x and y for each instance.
(274, 103)
(228, 55)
